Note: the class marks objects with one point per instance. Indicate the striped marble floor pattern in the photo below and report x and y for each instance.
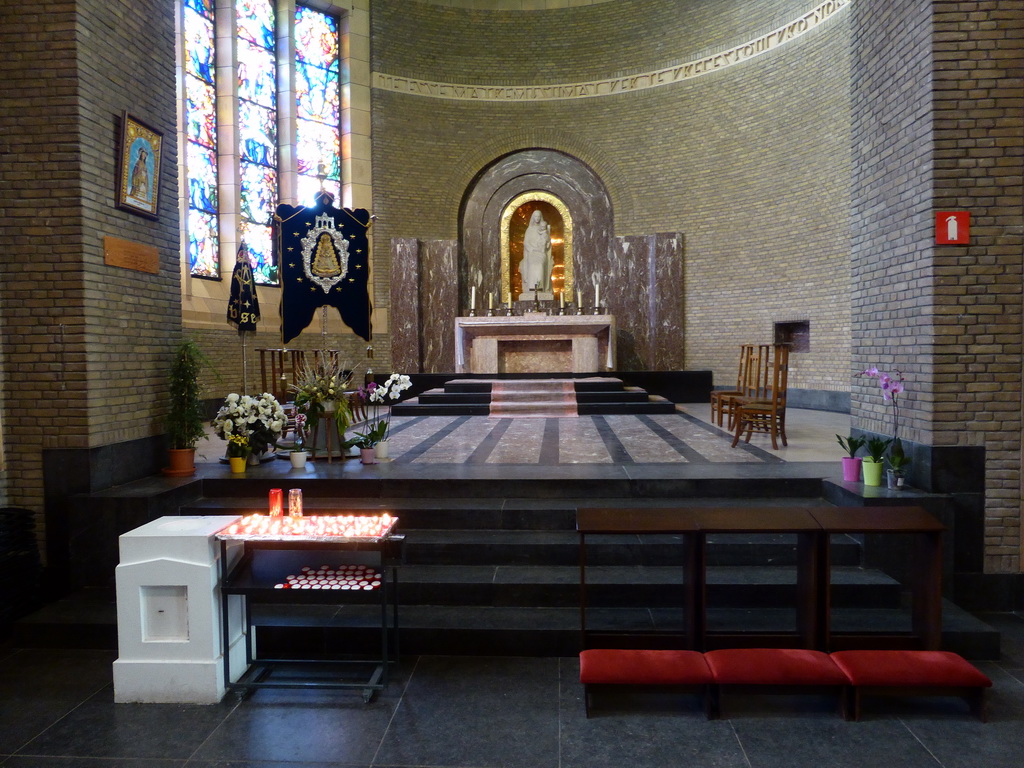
(649, 439)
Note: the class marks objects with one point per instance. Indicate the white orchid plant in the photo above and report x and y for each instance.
(378, 396)
(260, 420)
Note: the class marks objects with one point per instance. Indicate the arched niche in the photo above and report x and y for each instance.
(514, 222)
(483, 261)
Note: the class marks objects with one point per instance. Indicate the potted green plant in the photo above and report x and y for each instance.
(185, 422)
(873, 464)
(898, 463)
(297, 456)
(851, 463)
(365, 442)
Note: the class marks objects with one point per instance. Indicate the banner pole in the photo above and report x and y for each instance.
(245, 366)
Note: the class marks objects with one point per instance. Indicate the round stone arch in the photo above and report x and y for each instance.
(559, 174)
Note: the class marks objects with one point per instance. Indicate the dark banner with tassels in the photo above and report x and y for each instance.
(243, 306)
(324, 256)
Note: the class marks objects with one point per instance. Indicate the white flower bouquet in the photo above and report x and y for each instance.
(260, 419)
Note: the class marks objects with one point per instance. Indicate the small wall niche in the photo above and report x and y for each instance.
(796, 333)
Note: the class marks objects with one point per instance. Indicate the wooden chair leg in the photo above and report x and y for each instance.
(739, 429)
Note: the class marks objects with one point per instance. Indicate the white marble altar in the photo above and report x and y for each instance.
(535, 343)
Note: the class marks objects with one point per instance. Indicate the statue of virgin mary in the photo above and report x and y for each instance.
(535, 268)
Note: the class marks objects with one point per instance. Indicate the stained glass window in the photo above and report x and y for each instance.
(313, 80)
(201, 139)
(318, 104)
(257, 131)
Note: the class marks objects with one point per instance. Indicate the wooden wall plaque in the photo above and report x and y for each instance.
(130, 255)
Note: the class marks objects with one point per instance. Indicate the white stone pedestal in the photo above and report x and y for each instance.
(169, 630)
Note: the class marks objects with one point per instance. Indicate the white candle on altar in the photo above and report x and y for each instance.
(472, 297)
(597, 296)
(561, 299)
(579, 298)
(510, 298)
(490, 299)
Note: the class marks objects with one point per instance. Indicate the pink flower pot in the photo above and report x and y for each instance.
(851, 469)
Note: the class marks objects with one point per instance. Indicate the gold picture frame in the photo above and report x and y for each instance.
(138, 167)
(513, 222)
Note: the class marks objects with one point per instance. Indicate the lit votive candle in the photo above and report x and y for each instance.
(276, 501)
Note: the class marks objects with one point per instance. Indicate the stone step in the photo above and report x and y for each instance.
(625, 586)
(524, 547)
(503, 630)
(88, 619)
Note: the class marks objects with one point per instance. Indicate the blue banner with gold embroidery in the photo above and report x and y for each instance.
(243, 306)
(324, 256)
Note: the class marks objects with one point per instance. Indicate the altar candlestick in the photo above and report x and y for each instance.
(472, 297)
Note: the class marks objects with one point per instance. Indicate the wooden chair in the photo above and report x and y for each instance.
(278, 369)
(752, 382)
(766, 412)
(721, 399)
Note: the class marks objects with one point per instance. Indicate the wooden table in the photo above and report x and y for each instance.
(925, 580)
(619, 521)
(813, 527)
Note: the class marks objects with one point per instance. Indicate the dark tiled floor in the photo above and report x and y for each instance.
(57, 710)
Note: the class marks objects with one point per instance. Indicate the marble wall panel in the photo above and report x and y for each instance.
(405, 306)
(625, 291)
(439, 304)
(667, 306)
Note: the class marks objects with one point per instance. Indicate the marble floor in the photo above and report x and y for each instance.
(686, 437)
(57, 711)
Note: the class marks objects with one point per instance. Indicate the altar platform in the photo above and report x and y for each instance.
(488, 506)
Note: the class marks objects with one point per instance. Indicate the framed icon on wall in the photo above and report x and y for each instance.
(138, 167)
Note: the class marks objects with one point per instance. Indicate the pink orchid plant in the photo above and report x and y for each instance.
(891, 385)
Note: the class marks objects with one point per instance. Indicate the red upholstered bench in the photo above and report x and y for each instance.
(627, 667)
(910, 673)
(771, 670)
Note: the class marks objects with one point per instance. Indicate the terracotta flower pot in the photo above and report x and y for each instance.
(181, 461)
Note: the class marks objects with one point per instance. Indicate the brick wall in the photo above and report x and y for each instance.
(451, 44)
(892, 277)
(750, 164)
(978, 96)
(85, 345)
